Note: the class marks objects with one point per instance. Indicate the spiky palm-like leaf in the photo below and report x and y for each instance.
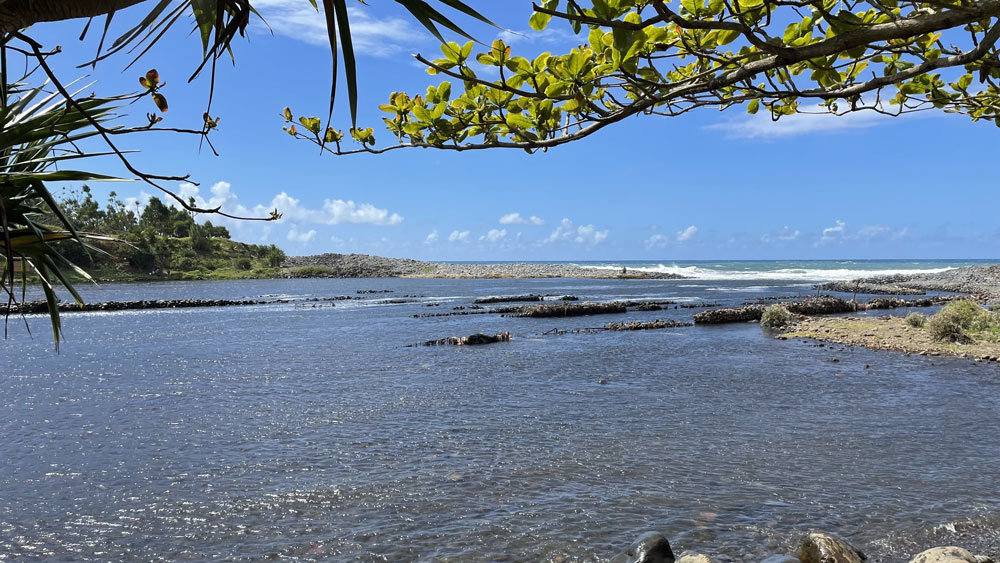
(39, 132)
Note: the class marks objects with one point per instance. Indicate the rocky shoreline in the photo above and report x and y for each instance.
(365, 266)
(980, 282)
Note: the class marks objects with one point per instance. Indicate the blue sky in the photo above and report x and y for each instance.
(709, 185)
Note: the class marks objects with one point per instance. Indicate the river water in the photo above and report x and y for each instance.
(310, 431)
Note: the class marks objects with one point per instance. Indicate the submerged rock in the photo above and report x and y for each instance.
(508, 299)
(471, 340)
(695, 558)
(651, 547)
(948, 554)
(823, 548)
(782, 559)
(645, 325)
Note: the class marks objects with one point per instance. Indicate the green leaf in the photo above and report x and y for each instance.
(753, 106)
(518, 121)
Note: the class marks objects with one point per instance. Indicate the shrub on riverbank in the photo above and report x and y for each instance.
(964, 321)
(775, 316)
(916, 320)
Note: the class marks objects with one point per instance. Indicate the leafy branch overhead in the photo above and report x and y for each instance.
(652, 57)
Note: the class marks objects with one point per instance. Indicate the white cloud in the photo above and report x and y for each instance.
(295, 236)
(833, 233)
(687, 233)
(584, 234)
(348, 212)
(785, 234)
(138, 203)
(657, 241)
(375, 37)
(494, 235)
(761, 126)
(432, 237)
(516, 219)
(458, 236)
(872, 232)
(334, 212)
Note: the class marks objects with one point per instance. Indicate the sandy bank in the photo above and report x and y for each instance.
(886, 333)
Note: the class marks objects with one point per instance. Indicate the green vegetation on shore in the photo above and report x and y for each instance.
(159, 243)
(965, 321)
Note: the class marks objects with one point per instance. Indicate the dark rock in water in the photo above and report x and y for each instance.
(823, 548)
(569, 298)
(782, 559)
(651, 547)
(471, 340)
(948, 554)
(567, 310)
(730, 315)
(648, 325)
(508, 299)
(754, 312)
(821, 306)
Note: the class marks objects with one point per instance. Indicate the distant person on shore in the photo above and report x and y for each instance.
(624, 269)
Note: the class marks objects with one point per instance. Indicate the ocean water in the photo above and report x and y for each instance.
(309, 430)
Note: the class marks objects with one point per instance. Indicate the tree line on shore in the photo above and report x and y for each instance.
(157, 241)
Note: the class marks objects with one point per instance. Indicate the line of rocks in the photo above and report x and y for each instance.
(821, 306)
(653, 547)
(868, 288)
(36, 307)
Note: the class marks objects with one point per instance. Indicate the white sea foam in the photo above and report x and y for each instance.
(792, 274)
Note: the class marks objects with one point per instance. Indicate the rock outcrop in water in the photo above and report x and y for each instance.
(508, 299)
(645, 325)
(868, 288)
(36, 307)
(809, 307)
(823, 548)
(651, 547)
(948, 554)
(471, 340)
(568, 310)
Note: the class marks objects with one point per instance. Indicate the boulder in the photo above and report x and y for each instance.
(651, 547)
(782, 559)
(823, 548)
(947, 554)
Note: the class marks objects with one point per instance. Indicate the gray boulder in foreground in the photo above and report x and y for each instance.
(947, 554)
(651, 547)
(823, 548)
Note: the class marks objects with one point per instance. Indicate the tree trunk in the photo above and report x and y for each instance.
(19, 14)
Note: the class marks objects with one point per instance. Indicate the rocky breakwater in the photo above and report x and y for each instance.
(653, 547)
(531, 270)
(37, 307)
(982, 282)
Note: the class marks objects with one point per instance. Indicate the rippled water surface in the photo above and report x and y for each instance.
(310, 431)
